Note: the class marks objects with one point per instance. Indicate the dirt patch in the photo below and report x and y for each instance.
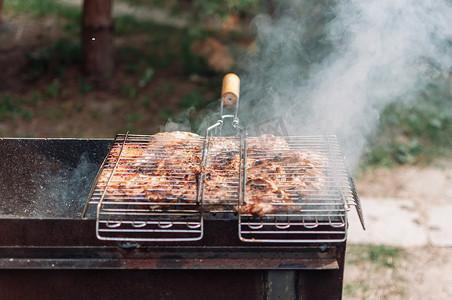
(427, 186)
(423, 272)
(427, 272)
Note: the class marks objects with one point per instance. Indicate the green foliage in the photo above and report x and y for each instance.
(168, 87)
(194, 64)
(146, 101)
(136, 59)
(62, 53)
(132, 53)
(128, 24)
(169, 45)
(131, 68)
(193, 99)
(67, 52)
(43, 8)
(384, 255)
(210, 7)
(55, 113)
(79, 107)
(416, 131)
(165, 113)
(223, 7)
(53, 90)
(201, 8)
(359, 287)
(391, 153)
(161, 48)
(379, 255)
(243, 5)
(37, 62)
(131, 120)
(11, 107)
(35, 98)
(95, 115)
(85, 86)
(130, 91)
(374, 260)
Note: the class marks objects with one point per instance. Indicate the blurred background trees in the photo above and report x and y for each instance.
(164, 60)
(1, 9)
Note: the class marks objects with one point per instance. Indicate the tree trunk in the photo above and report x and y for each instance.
(97, 37)
(1, 9)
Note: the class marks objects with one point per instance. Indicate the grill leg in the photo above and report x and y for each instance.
(322, 284)
(281, 284)
(325, 284)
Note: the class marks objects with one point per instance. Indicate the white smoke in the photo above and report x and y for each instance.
(376, 51)
(62, 193)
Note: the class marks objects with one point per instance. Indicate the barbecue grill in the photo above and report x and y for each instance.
(192, 245)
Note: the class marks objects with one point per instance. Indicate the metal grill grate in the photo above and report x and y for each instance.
(221, 178)
(161, 187)
(316, 210)
(134, 204)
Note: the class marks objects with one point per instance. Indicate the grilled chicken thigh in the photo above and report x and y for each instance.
(166, 169)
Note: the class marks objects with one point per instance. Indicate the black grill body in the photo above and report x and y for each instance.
(48, 251)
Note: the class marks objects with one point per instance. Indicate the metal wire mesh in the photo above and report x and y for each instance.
(315, 186)
(145, 192)
(160, 188)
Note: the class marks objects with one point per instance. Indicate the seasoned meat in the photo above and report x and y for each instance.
(166, 169)
(278, 175)
(263, 197)
(221, 179)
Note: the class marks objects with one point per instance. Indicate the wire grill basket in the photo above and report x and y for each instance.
(145, 192)
(280, 189)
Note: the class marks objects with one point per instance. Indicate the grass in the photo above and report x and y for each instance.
(376, 271)
(161, 47)
(128, 24)
(11, 107)
(359, 287)
(41, 8)
(146, 101)
(129, 91)
(34, 106)
(379, 255)
(85, 86)
(53, 90)
(54, 58)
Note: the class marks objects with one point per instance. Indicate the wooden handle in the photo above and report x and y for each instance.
(231, 89)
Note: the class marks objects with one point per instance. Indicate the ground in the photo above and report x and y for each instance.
(422, 272)
(66, 104)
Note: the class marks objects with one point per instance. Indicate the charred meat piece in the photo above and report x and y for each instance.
(163, 170)
(278, 175)
(263, 197)
(222, 170)
(166, 169)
